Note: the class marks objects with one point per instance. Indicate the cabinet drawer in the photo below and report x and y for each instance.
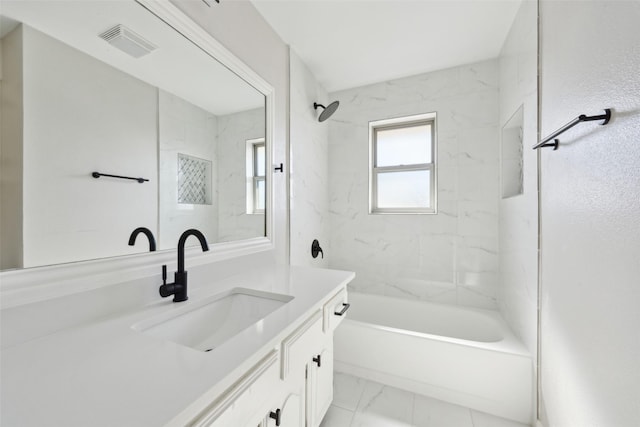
(250, 391)
(335, 311)
(295, 348)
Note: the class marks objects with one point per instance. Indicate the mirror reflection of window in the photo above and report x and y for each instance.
(256, 183)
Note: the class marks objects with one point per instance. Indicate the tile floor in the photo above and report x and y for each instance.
(361, 403)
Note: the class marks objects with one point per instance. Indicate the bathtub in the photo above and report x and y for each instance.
(460, 355)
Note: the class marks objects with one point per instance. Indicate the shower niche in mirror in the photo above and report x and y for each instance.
(109, 87)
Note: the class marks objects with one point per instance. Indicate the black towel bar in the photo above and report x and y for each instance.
(581, 118)
(98, 175)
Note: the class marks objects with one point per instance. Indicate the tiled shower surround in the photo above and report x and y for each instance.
(449, 257)
(518, 295)
(309, 169)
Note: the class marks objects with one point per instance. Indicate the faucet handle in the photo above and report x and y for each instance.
(164, 274)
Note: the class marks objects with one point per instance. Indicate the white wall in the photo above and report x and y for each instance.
(518, 294)
(590, 206)
(184, 128)
(240, 28)
(309, 214)
(450, 257)
(67, 214)
(11, 151)
(234, 131)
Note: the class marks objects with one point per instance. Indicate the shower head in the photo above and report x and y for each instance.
(328, 110)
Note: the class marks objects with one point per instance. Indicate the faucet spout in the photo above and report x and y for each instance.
(183, 241)
(179, 286)
(146, 232)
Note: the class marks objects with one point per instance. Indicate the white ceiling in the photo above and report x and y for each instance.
(350, 43)
(177, 66)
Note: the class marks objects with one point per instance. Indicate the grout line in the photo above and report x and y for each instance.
(353, 415)
(413, 409)
(364, 386)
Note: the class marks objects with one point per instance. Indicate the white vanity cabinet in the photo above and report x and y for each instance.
(258, 399)
(309, 352)
(246, 402)
(290, 387)
(319, 378)
(307, 360)
(288, 414)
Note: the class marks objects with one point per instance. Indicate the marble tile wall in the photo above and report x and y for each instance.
(309, 168)
(450, 257)
(184, 128)
(234, 223)
(518, 229)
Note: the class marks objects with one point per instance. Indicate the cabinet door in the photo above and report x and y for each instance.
(289, 414)
(244, 403)
(297, 347)
(320, 384)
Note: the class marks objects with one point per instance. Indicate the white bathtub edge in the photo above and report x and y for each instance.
(508, 344)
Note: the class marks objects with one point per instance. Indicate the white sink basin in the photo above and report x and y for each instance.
(207, 324)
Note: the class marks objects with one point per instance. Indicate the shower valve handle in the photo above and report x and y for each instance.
(315, 249)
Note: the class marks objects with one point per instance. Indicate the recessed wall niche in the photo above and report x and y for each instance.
(194, 180)
(511, 155)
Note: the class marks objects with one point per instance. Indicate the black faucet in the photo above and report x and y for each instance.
(179, 286)
(146, 232)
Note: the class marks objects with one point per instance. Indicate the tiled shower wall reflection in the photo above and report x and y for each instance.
(185, 129)
(450, 257)
(234, 223)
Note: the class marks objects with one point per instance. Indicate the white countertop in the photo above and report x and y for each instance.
(106, 374)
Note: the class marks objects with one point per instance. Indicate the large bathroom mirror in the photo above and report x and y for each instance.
(108, 87)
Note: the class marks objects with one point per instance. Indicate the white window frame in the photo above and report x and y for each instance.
(396, 123)
(252, 175)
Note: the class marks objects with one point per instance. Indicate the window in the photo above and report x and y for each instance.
(402, 155)
(256, 184)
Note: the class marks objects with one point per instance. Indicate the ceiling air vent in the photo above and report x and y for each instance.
(127, 41)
